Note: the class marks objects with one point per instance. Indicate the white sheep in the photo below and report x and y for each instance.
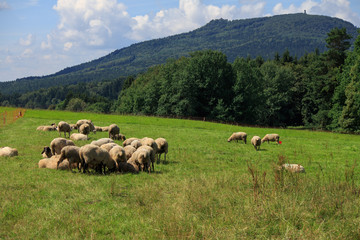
(294, 168)
(47, 128)
(80, 122)
(152, 153)
(119, 137)
(162, 147)
(8, 152)
(271, 138)
(84, 129)
(102, 141)
(117, 153)
(129, 150)
(46, 152)
(109, 146)
(141, 157)
(92, 155)
(58, 143)
(52, 163)
(136, 144)
(113, 130)
(63, 127)
(146, 141)
(129, 141)
(238, 136)
(256, 142)
(79, 137)
(71, 153)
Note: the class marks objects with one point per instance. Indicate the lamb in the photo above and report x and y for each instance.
(78, 137)
(46, 153)
(102, 141)
(63, 127)
(8, 152)
(129, 150)
(141, 158)
(109, 146)
(136, 144)
(71, 153)
(58, 143)
(52, 163)
(117, 154)
(129, 141)
(84, 129)
(97, 157)
(256, 142)
(271, 138)
(238, 136)
(162, 147)
(113, 130)
(294, 168)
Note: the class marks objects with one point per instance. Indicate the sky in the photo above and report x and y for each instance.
(41, 37)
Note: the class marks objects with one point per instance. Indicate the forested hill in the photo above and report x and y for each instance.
(299, 33)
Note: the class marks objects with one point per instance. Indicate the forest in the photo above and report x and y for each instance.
(317, 90)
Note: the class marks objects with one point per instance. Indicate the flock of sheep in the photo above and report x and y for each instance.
(133, 156)
(256, 142)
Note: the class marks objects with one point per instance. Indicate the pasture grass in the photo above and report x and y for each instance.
(207, 189)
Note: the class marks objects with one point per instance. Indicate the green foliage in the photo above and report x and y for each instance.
(76, 105)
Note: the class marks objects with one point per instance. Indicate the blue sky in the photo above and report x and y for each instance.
(40, 37)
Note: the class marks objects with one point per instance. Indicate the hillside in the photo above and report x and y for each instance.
(299, 33)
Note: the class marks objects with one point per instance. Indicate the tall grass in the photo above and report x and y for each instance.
(207, 189)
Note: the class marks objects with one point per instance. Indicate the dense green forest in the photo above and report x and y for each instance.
(299, 33)
(317, 90)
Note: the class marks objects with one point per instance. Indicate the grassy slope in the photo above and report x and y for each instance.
(204, 190)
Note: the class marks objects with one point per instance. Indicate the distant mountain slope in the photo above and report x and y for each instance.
(299, 33)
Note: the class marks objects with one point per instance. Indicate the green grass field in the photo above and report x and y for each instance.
(207, 189)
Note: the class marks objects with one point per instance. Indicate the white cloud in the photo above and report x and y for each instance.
(27, 41)
(335, 8)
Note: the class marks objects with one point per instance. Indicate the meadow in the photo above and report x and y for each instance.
(207, 189)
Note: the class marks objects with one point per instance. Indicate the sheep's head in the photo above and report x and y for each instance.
(46, 152)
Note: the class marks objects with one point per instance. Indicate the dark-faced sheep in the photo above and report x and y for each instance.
(92, 155)
(46, 152)
(71, 153)
(63, 127)
(8, 152)
(256, 142)
(238, 136)
(162, 147)
(113, 130)
(58, 143)
(271, 138)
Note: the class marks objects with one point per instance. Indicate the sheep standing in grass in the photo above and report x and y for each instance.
(89, 122)
(102, 141)
(71, 153)
(256, 142)
(92, 155)
(128, 167)
(117, 154)
(136, 144)
(64, 127)
(46, 153)
(129, 150)
(238, 136)
(108, 146)
(8, 152)
(79, 137)
(271, 138)
(129, 141)
(294, 168)
(58, 143)
(84, 129)
(162, 147)
(141, 157)
(113, 130)
(146, 141)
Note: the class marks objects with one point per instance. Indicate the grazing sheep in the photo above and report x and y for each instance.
(8, 152)
(109, 146)
(136, 144)
(146, 141)
(162, 147)
(256, 142)
(46, 153)
(152, 153)
(141, 157)
(79, 137)
(238, 136)
(294, 168)
(102, 141)
(119, 137)
(117, 154)
(71, 153)
(63, 127)
(271, 138)
(73, 126)
(113, 130)
(129, 141)
(97, 157)
(128, 167)
(84, 129)
(129, 150)
(58, 143)
(81, 122)
(52, 163)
